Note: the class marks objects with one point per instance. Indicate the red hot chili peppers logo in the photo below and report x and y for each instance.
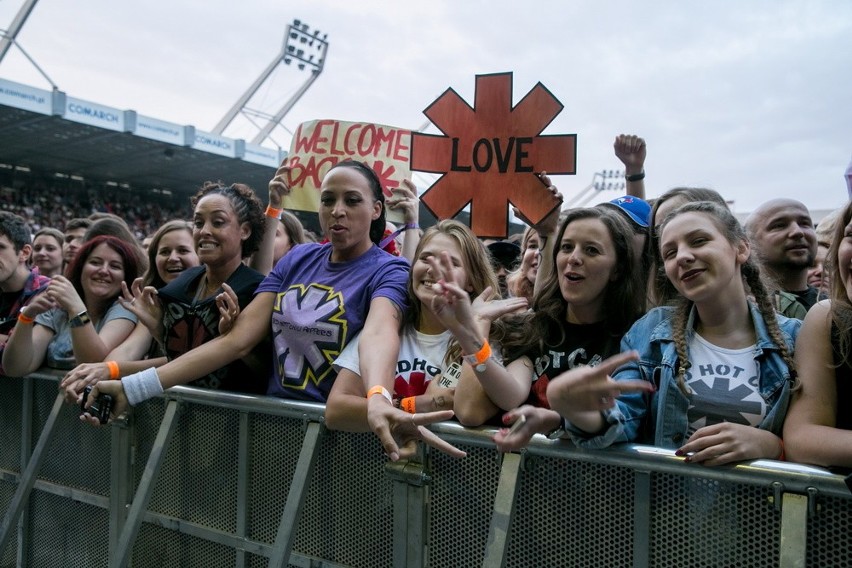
(490, 154)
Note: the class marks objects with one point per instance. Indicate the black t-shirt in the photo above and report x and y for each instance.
(843, 379)
(583, 344)
(187, 324)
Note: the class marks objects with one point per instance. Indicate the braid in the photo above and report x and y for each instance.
(751, 274)
(679, 335)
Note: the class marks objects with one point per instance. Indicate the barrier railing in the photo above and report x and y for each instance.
(203, 478)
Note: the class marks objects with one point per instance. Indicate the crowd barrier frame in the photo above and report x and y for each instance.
(206, 478)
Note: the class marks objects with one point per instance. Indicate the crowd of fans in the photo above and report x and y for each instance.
(665, 322)
(44, 202)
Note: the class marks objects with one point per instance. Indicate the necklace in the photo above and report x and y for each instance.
(203, 291)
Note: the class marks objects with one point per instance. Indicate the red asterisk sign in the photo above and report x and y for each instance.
(490, 154)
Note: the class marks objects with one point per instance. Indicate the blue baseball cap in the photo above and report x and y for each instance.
(637, 209)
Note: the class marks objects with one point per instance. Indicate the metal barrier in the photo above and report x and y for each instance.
(204, 478)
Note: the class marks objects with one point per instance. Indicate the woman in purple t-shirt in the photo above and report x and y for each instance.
(315, 300)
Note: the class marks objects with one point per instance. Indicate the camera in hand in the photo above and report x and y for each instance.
(101, 408)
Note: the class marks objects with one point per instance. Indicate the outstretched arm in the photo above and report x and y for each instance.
(378, 352)
(581, 394)
(249, 329)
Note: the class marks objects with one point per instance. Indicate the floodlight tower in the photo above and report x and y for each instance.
(598, 185)
(298, 41)
(8, 38)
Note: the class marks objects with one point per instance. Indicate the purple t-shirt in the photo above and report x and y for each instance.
(319, 306)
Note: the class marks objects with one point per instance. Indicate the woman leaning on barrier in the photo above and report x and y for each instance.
(588, 299)
(77, 318)
(182, 303)
(818, 429)
(710, 377)
(315, 299)
(430, 361)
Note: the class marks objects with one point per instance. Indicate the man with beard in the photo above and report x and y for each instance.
(782, 233)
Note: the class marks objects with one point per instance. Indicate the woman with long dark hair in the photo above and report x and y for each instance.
(711, 376)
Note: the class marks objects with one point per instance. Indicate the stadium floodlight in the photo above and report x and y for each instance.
(298, 33)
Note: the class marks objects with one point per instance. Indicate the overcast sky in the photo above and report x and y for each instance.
(752, 99)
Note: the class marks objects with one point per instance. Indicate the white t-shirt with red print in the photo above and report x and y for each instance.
(421, 358)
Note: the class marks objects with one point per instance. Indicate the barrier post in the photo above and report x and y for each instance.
(794, 530)
(28, 477)
(641, 518)
(410, 500)
(146, 486)
(242, 485)
(121, 477)
(504, 507)
(296, 496)
(27, 418)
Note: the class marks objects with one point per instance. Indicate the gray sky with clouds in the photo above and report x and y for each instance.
(751, 99)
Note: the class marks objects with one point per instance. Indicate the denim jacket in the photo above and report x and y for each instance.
(667, 425)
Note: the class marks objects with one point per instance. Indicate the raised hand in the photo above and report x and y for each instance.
(546, 226)
(279, 185)
(144, 303)
(486, 307)
(62, 293)
(39, 304)
(229, 309)
(582, 393)
(631, 150)
(405, 198)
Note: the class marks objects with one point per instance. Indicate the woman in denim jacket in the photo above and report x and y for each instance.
(710, 377)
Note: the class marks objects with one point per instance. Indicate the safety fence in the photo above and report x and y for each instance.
(208, 479)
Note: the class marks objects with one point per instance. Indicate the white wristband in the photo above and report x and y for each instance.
(141, 386)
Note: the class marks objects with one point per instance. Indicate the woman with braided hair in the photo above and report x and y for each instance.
(711, 376)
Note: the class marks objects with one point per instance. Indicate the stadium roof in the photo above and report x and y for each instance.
(53, 132)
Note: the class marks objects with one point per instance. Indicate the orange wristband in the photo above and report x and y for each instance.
(272, 212)
(782, 457)
(408, 404)
(23, 318)
(113, 370)
(479, 358)
(379, 389)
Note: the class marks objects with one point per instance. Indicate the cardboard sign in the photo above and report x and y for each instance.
(320, 144)
(490, 154)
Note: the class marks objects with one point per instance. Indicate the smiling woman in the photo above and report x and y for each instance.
(712, 376)
(181, 304)
(579, 315)
(77, 319)
(47, 252)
